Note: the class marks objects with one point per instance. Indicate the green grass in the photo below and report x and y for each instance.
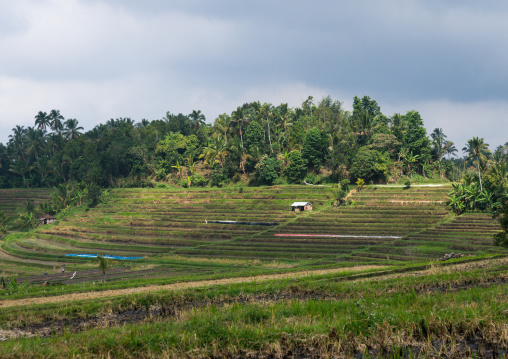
(329, 314)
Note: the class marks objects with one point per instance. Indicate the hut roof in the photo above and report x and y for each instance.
(298, 204)
(47, 216)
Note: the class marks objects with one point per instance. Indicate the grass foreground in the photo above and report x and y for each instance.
(454, 309)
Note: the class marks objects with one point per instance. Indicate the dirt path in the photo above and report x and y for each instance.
(175, 286)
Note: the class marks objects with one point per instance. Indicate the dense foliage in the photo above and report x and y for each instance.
(256, 143)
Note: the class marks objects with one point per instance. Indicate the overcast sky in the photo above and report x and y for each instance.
(100, 59)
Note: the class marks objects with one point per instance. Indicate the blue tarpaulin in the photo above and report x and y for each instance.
(105, 256)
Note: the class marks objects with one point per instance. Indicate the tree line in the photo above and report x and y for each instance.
(264, 144)
(259, 144)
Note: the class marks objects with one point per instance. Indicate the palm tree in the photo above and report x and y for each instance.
(63, 195)
(216, 151)
(104, 265)
(72, 129)
(397, 125)
(450, 149)
(362, 121)
(56, 121)
(22, 168)
(410, 159)
(222, 125)
(198, 119)
(476, 148)
(438, 137)
(17, 141)
(35, 141)
(42, 166)
(143, 123)
(240, 117)
(267, 110)
(42, 120)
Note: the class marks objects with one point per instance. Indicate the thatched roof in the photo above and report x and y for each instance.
(46, 216)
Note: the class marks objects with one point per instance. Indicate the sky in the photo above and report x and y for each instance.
(100, 59)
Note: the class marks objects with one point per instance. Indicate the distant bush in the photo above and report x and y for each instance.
(280, 181)
(268, 170)
(310, 178)
(198, 181)
(360, 184)
(297, 167)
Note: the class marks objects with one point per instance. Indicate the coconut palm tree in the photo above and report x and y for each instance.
(450, 149)
(240, 117)
(268, 112)
(198, 119)
(22, 168)
(42, 166)
(42, 120)
(35, 141)
(216, 151)
(104, 265)
(223, 125)
(56, 121)
(17, 141)
(72, 129)
(476, 148)
(143, 123)
(439, 140)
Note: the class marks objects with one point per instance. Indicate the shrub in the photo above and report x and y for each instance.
(297, 168)
(268, 170)
(370, 165)
(217, 178)
(198, 181)
(314, 148)
(360, 183)
(280, 181)
(311, 178)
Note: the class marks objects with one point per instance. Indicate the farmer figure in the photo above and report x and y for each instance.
(63, 268)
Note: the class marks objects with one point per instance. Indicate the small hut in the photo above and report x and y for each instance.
(301, 206)
(46, 219)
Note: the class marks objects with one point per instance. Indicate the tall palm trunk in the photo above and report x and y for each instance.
(479, 174)
(269, 138)
(241, 137)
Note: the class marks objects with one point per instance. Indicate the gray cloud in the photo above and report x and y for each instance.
(96, 59)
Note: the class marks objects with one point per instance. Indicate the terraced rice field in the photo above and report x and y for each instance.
(171, 228)
(13, 200)
(382, 212)
(470, 233)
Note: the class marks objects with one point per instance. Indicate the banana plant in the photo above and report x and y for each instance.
(179, 169)
(191, 165)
